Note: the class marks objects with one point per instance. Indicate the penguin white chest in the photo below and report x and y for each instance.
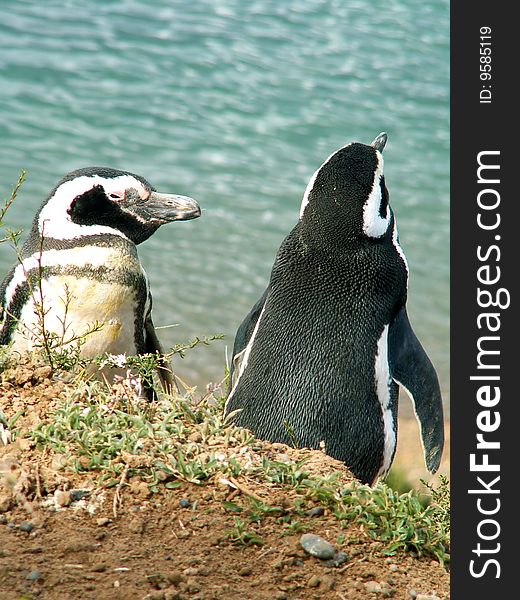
(100, 314)
(86, 294)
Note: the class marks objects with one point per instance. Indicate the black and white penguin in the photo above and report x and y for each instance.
(79, 266)
(319, 358)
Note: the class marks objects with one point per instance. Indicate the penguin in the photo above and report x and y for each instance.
(319, 359)
(79, 278)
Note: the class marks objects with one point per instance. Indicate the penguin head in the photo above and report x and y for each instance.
(101, 200)
(347, 196)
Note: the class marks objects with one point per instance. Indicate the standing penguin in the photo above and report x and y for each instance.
(321, 355)
(79, 266)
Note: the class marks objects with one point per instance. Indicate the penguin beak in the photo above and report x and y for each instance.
(168, 207)
(380, 141)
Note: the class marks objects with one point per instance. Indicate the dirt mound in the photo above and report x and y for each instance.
(132, 525)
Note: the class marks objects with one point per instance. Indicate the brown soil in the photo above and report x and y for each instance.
(144, 545)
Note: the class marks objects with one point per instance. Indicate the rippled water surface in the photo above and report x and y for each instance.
(235, 103)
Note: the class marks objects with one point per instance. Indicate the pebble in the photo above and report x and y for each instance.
(184, 503)
(283, 458)
(62, 498)
(5, 502)
(22, 376)
(339, 559)
(140, 489)
(41, 373)
(3, 519)
(317, 546)
(372, 587)
(184, 533)
(155, 580)
(328, 583)
(26, 526)
(317, 511)
(314, 581)
(245, 571)
(292, 561)
(59, 462)
(175, 577)
(137, 526)
(192, 587)
(426, 597)
(76, 495)
(79, 547)
(102, 521)
(34, 575)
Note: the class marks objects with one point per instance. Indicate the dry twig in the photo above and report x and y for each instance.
(117, 496)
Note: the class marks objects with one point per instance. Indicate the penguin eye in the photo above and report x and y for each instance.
(116, 195)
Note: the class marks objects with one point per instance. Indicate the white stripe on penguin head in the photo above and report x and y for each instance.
(374, 225)
(54, 220)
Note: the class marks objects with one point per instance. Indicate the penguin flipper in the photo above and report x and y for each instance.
(242, 337)
(153, 346)
(411, 368)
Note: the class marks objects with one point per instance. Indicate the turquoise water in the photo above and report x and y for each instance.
(236, 104)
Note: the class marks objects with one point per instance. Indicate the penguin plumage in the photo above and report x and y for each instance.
(79, 266)
(320, 356)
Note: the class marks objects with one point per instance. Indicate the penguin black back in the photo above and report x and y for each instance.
(311, 361)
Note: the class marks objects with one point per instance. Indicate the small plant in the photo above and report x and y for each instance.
(146, 365)
(239, 536)
(293, 526)
(399, 520)
(291, 434)
(181, 349)
(440, 503)
(11, 236)
(260, 510)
